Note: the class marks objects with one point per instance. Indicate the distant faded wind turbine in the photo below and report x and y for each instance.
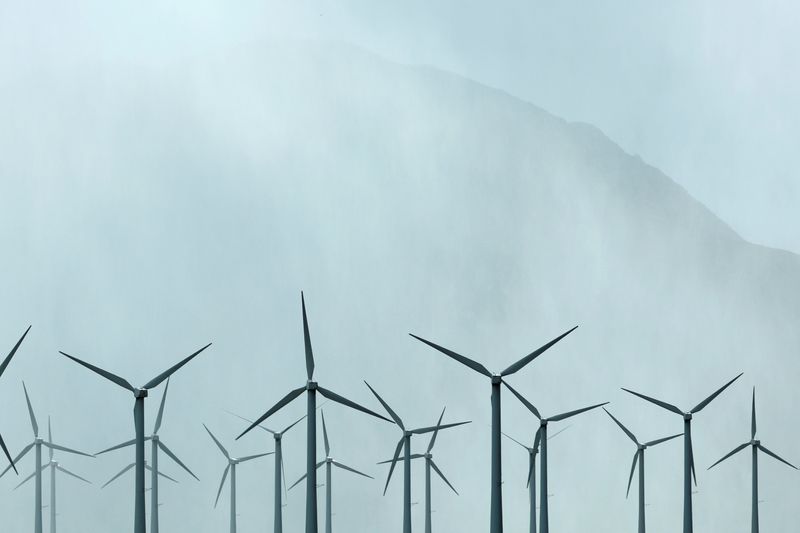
(139, 516)
(638, 458)
(329, 462)
(311, 388)
(496, 498)
(36, 445)
(231, 467)
(3, 367)
(688, 454)
(755, 445)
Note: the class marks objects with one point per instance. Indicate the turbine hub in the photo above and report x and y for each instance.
(140, 393)
(407, 434)
(329, 459)
(755, 442)
(641, 447)
(38, 440)
(311, 385)
(154, 438)
(277, 436)
(687, 416)
(497, 379)
(543, 422)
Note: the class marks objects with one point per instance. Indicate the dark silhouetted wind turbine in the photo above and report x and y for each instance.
(36, 445)
(232, 463)
(54, 467)
(311, 387)
(755, 445)
(531, 483)
(541, 437)
(496, 506)
(688, 455)
(638, 458)
(329, 463)
(3, 366)
(280, 475)
(139, 394)
(156, 445)
(405, 444)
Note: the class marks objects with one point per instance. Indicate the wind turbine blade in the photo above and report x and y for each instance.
(735, 451)
(436, 432)
(293, 424)
(218, 443)
(283, 477)
(524, 402)
(394, 463)
(8, 456)
(537, 438)
(568, 414)
(65, 449)
(753, 418)
(50, 437)
(633, 469)
(62, 469)
(274, 409)
(108, 375)
(344, 401)
(345, 467)
(420, 431)
(118, 446)
(534, 354)
(474, 365)
(530, 474)
(250, 422)
(515, 440)
(307, 340)
(167, 373)
(150, 469)
(766, 451)
(385, 405)
(222, 483)
(161, 409)
(7, 360)
(436, 469)
(25, 450)
(34, 425)
(559, 432)
(412, 456)
(708, 400)
(325, 436)
(691, 458)
(623, 428)
(118, 475)
(175, 458)
(298, 481)
(25, 480)
(665, 439)
(665, 405)
(256, 456)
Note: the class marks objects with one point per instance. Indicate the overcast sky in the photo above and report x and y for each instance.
(174, 174)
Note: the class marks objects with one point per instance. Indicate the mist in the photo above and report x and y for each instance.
(174, 175)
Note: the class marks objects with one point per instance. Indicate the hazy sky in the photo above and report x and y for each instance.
(174, 174)
(705, 91)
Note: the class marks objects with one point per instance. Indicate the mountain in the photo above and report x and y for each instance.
(150, 209)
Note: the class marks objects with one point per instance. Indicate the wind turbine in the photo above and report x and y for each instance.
(532, 453)
(541, 438)
(405, 444)
(278, 437)
(496, 506)
(329, 463)
(756, 446)
(311, 387)
(139, 394)
(36, 445)
(232, 463)
(638, 457)
(688, 455)
(54, 467)
(156, 445)
(3, 366)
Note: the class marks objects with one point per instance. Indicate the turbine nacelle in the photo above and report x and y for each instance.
(497, 379)
(311, 385)
(687, 416)
(755, 442)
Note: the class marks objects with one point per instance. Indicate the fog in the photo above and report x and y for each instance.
(174, 175)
